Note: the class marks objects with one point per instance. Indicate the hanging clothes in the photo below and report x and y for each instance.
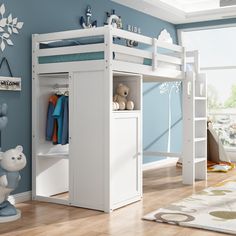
(65, 126)
(61, 113)
(51, 124)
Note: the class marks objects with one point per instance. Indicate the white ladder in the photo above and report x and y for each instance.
(194, 156)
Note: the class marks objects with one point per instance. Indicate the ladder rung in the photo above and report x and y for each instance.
(200, 98)
(199, 139)
(199, 159)
(200, 118)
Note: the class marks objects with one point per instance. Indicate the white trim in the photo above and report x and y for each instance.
(166, 154)
(160, 164)
(180, 31)
(208, 27)
(218, 68)
(52, 200)
(172, 14)
(20, 197)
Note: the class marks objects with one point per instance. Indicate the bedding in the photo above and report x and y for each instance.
(70, 42)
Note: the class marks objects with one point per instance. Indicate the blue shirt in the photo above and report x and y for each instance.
(58, 114)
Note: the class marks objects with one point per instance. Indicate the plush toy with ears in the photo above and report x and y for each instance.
(11, 162)
(120, 97)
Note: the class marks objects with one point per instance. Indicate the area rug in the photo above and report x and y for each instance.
(213, 209)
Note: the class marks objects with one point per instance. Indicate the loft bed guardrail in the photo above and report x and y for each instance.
(153, 57)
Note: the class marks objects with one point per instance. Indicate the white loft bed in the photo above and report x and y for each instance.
(94, 171)
(123, 53)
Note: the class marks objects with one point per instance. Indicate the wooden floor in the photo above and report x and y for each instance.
(161, 187)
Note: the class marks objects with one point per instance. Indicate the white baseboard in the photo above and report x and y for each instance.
(160, 164)
(20, 197)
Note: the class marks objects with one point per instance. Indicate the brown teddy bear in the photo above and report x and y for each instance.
(120, 101)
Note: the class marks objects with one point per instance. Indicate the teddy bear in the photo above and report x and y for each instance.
(3, 116)
(11, 162)
(120, 98)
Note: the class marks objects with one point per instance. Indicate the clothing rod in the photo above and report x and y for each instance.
(56, 86)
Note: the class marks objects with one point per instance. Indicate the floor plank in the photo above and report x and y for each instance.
(161, 187)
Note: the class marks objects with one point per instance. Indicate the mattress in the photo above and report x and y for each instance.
(70, 42)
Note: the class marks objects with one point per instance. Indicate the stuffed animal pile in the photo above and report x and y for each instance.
(120, 101)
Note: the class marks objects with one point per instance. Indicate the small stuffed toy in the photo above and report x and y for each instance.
(120, 97)
(11, 162)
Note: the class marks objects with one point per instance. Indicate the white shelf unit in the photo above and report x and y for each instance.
(195, 136)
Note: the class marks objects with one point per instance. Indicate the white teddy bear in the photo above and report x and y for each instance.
(11, 162)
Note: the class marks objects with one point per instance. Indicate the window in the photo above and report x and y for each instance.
(217, 49)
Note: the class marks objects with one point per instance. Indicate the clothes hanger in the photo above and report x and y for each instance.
(66, 93)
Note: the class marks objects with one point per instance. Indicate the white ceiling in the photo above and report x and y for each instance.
(193, 5)
(182, 11)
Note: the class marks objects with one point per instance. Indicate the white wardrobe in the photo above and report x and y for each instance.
(102, 169)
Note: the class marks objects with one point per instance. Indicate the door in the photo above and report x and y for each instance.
(126, 174)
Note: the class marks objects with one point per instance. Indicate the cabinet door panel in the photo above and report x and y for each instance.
(125, 159)
(86, 145)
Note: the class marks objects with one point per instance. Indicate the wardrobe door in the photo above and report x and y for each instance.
(87, 140)
(126, 173)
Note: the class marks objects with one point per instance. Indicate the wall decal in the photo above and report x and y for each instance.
(8, 26)
(114, 20)
(135, 29)
(165, 36)
(87, 22)
(168, 88)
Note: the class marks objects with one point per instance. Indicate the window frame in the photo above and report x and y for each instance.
(179, 37)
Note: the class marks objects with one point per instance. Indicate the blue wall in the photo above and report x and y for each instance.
(58, 15)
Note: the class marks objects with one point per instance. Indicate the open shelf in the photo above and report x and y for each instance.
(127, 111)
(51, 161)
(134, 83)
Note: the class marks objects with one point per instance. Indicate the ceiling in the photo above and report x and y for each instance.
(193, 5)
(183, 11)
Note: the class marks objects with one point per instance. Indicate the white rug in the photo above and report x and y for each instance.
(213, 209)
